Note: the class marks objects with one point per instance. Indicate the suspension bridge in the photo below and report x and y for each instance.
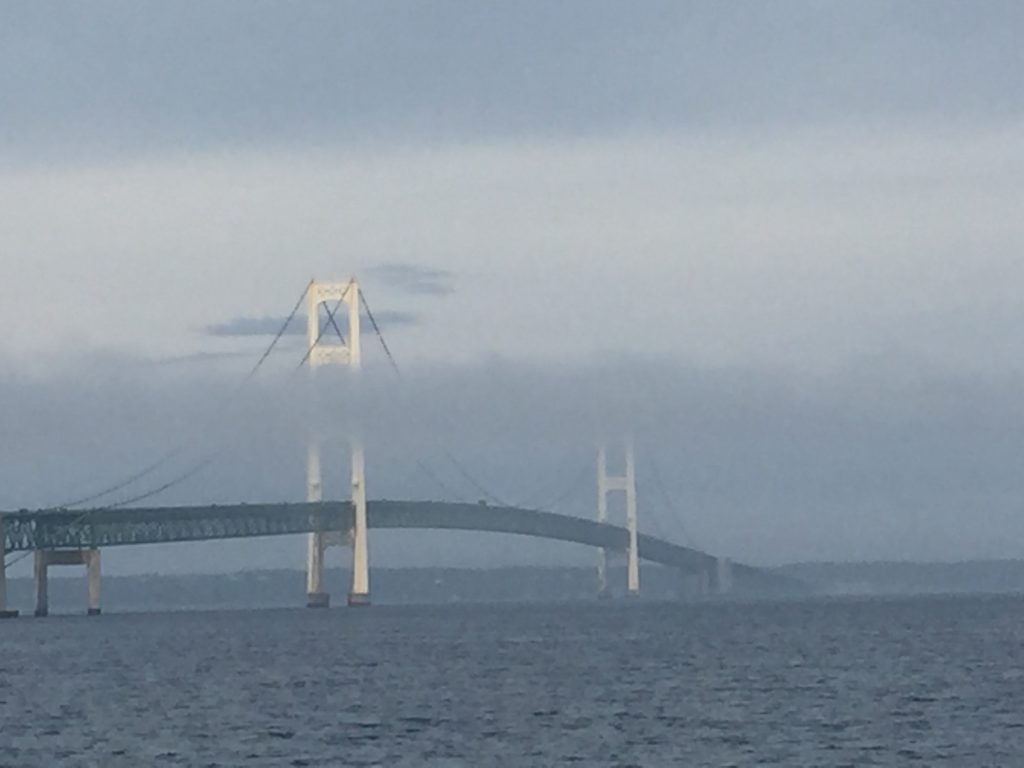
(73, 534)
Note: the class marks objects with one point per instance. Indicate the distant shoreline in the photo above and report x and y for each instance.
(431, 586)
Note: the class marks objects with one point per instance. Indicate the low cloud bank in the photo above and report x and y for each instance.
(765, 468)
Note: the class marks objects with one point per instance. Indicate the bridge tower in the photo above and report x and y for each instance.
(626, 482)
(323, 350)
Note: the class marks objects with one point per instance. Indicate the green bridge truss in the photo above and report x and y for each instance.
(64, 529)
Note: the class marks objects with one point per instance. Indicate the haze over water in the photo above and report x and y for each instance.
(915, 681)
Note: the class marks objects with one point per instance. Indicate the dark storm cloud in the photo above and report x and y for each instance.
(110, 75)
(270, 325)
(413, 278)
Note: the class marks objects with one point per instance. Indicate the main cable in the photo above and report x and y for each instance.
(669, 507)
(188, 473)
(81, 518)
(562, 495)
(380, 336)
(122, 484)
(180, 448)
(480, 488)
(280, 332)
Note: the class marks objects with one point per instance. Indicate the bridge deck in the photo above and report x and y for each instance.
(27, 530)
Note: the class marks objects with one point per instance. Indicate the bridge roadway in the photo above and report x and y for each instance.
(88, 529)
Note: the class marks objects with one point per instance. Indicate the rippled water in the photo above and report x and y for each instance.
(936, 681)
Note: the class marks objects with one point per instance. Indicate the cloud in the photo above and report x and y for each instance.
(414, 278)
(173, 75)
(812, 248)
(197, 358)
(731, 249)
(762, 467)
(271, 325)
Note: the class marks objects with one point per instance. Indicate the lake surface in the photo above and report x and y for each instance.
(927, 681)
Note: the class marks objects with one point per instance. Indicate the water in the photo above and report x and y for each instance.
(927, 681)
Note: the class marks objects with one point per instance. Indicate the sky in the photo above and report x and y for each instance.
(780, 244)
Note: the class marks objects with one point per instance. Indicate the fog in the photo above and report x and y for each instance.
(767, 469)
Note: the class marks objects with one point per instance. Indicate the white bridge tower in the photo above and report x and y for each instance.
(325, 350)
(626, 483)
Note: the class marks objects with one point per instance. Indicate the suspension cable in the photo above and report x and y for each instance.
(176, 480)
(188, 473)
(655, 519)
(432, 476)
(562, 495)
(81, 518)
(480, 488)
(122, 484)
(280, 332)
(148, 470)
(380, 336)
(660, 486)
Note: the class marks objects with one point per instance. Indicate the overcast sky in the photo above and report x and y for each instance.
(783, 239)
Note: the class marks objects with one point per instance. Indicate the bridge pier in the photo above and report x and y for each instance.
(723, 575)
(44, 558)
(602, 572)
(42, 583)
(703, 583)
(315, 596)
(602, 517)
(359, 593)
(92, 566)
(5, 613)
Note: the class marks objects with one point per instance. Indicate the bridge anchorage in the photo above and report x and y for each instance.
(60, 536)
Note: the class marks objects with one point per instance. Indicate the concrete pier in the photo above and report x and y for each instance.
(318, 600)
(358, 599)
(42, 583)
(723, 575)
(359, 592)
(5, 612)
(44, 558)
(703, 583)
(92, 566)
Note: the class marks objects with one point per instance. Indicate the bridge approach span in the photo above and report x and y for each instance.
(65, 529)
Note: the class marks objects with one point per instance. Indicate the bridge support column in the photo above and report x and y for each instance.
(44, 558)
(360, 592)
(4, 612)
(723, 575)
(41, 580)
(315, 596)
(703, 582)
(602, 517)
(92, 567)
(3, 579)
(633, 554)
